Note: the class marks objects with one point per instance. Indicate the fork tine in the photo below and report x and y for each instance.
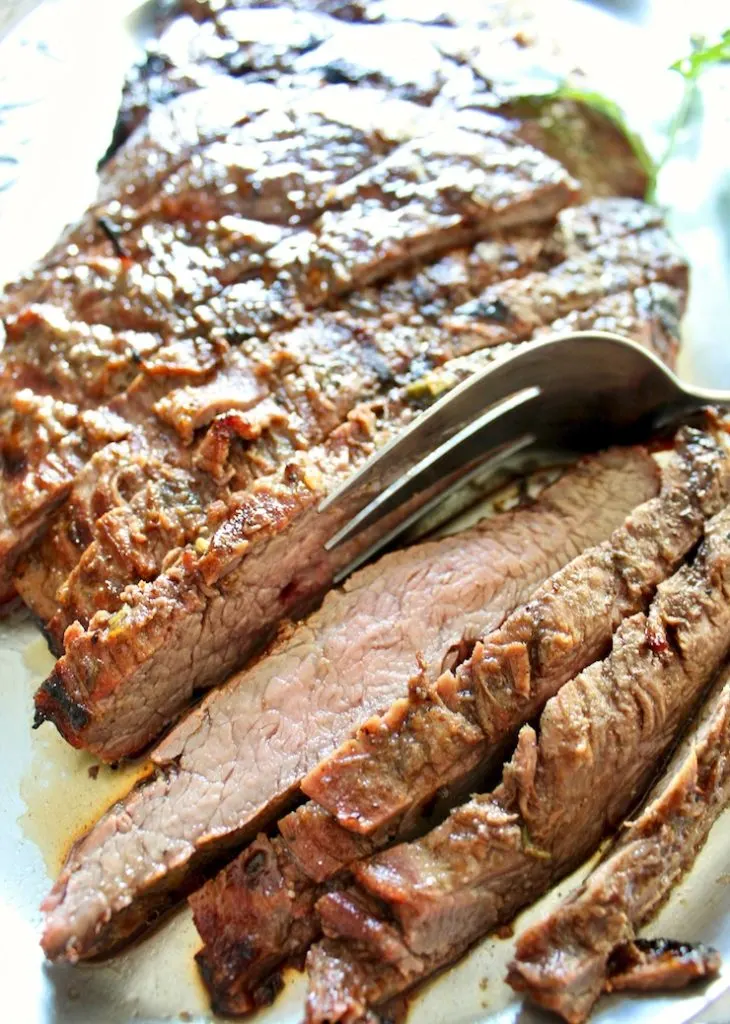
(430, 429)
(487, 462)
(503, 424)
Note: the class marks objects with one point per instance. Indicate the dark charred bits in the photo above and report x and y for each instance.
(112, 233)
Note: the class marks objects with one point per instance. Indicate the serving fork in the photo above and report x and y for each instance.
(572, 392)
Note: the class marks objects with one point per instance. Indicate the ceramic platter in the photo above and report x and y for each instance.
(61, 68)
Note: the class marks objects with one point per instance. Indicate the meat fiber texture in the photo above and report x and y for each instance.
(564, 961)
(419, 905)
(450, 730)
(237, 761)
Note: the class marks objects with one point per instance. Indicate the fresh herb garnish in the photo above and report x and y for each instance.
(704, 55)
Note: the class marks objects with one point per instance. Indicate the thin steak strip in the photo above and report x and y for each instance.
(238, 760)
(442, 734)
(420, 905)
(563, 961)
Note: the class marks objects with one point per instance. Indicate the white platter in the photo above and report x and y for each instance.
(64, 64)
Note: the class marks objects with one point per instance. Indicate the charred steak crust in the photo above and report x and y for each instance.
(418, 906)
(217, 785)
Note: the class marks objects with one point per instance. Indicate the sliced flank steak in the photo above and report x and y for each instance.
(445, 735)
(418, 906)
(585, 946)
(131, 653)
(237, 761)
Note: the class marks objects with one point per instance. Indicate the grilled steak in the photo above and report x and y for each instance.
(310, 377)
(128, 655)
(362, 226)
(420, 905)
(278, 735)
(439, 735)
(565, 961)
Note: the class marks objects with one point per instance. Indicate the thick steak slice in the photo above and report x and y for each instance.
(441, 735)
(400, 760)
(239, 758)
(420, 905)
(563, 961)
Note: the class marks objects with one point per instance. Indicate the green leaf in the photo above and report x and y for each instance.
(703, 57)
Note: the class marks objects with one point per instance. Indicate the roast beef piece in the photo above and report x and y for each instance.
(588, 943)
(184, 815)
(441, 735)
(596, 748)
(400, 760)
(311, 376)
(650, 965)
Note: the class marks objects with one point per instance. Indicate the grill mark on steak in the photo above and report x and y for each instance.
(90, 909)
(378, 782)
(566, 960)
(598, 743)
(649, 965)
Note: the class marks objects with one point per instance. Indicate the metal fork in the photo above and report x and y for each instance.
(574, 392)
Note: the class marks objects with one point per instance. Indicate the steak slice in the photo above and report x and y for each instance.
(443, 734)
(215, 785)
(420, 905)
(398, 761)
(566, 960)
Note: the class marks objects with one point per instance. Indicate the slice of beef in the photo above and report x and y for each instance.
(399, 761)
(566, 960)
(441, 736)
(651, 965)
(278, 735)
(596, 749)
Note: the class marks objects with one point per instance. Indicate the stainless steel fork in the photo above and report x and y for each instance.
(576, 391)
